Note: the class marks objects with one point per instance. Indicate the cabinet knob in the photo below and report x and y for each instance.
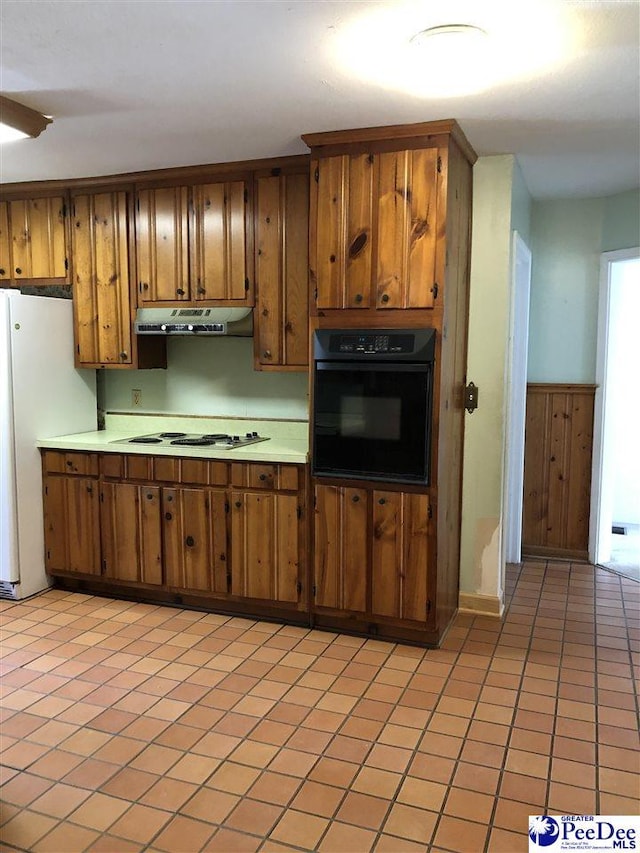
(262, 477)
(201, 290)
(123, 355)
(238, 504)
(358, 297)
(180, 291)
(382, 501)
(18, 271)
(384, 297)
(355, 498)
(90, 490)
(1, 272)
(145, 285)
(169, 498)
(168, 516)
(266, 353)
(190, 541)
(332, 259)
(149, 496)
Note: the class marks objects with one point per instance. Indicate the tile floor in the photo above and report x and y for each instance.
(129, 727)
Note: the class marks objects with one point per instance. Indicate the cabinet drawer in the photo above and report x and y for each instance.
(70, 462)
(199, 472)
(265, 476)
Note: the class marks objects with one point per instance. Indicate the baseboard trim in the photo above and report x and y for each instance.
(481, 605)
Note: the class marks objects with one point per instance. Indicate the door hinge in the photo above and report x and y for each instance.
(206, 503)
(66, 264)
(314, 590)
(428, 606)
(138, 204)
(299, 587)
(471, 397)
(104, 566)
(315, 294)
(299, 512)
(434, 290)
(246, 284)
(46, 490)
(102, 497)
(48, 555)
(226, 506)
(316, 175)
(64, 209)
(439, 165)
(246, 195)
(430, 512)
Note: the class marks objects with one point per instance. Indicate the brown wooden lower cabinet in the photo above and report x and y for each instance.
(265, 546)
(71, 524)
(131, 532)
(195, 539)
(223, 536)
(372, 557)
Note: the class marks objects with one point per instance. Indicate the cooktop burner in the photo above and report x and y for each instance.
(221, 440)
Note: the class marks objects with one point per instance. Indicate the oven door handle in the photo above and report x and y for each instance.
(373, 367)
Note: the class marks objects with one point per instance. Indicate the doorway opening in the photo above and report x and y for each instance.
(614, 540)
(516, 378)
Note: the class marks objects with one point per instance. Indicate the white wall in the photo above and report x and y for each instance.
(482, 561)
(208, 376)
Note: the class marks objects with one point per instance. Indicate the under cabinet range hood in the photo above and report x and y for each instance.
(194, 321)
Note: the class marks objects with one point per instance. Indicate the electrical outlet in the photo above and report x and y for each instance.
(136, 397)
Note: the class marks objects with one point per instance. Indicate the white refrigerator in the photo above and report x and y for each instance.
(42, 395)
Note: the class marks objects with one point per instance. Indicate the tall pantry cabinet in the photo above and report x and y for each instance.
(389, 247)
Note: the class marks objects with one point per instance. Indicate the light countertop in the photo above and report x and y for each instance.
(288, 440)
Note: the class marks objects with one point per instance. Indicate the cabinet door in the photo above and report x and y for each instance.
(406, 229)
(218, 243)
(265, 546)
(282, 257)
(101, 279)
(195, 540)
(341, 238)
(71, 525)
(131, 532)
(400, 555)
(5, 242)
(38, 238)
(341, 536)
(162, 245)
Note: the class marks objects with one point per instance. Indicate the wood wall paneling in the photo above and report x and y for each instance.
(557, 470)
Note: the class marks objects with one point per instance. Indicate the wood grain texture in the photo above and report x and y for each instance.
(557, 470)
(162, 245)
(282, 258)
(101, 279)
(72, 524)
(131, 532)
(38, 238)
(341, 548)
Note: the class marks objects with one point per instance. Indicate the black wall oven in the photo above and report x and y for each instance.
(372, 401)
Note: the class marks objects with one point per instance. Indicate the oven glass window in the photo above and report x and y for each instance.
(372, 422)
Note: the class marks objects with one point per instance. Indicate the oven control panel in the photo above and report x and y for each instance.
(372, 343)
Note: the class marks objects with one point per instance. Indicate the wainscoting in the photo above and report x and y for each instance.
(557, 470)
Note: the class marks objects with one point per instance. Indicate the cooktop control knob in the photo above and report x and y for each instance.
(236, 438)
(163, 327)
(190, 328)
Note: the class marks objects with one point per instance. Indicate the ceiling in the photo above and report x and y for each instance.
(145, 84)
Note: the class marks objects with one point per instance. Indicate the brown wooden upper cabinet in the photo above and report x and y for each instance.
(374, 236)
(102, 287)
(33, 242)
(192, 244)
(282, 261)
(378, 216)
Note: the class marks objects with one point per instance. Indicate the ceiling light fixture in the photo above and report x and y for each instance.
(18, 121)
(448, 33)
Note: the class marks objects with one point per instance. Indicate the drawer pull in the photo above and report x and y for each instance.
(382, 501)
(190, 541)
(238, 504)
(385, 297)
(355, 498)
(262, 477)
(149, 496)
(168, 516)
